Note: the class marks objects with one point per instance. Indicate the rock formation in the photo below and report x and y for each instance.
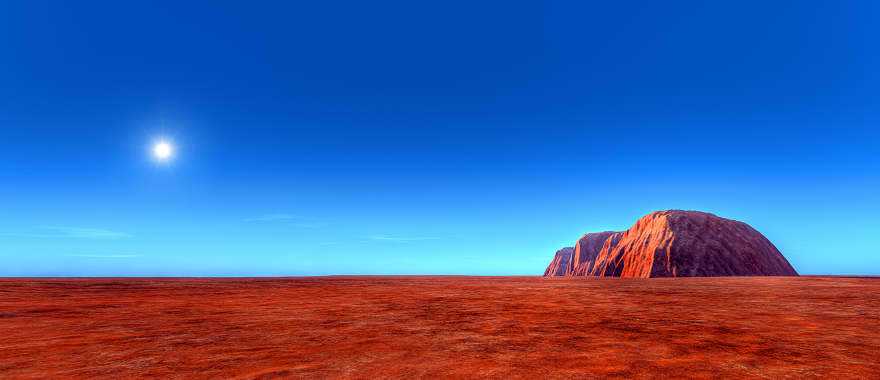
(560, 262)
(675, 243)
(586, 250)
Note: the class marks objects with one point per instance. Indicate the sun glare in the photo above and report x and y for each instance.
(163, 150)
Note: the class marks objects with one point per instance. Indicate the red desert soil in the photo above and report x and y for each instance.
(380, 327)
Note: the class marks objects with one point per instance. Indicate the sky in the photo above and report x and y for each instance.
(449, 137)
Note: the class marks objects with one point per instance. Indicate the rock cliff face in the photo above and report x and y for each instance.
(677, 244)
(560, 262)
(586, 250)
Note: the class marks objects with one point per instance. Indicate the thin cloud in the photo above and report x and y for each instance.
(289, 219)
(310, 224)
(111, 256)
(56, 232)
(274, 218)
(87, 233)
(400, 239)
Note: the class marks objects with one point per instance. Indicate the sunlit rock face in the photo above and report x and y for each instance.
(586, 250)
(677, 243)
(560, 263)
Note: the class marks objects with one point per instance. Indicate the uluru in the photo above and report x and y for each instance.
(560, 262)
(673, 243)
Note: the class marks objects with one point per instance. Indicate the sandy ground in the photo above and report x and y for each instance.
(429, 327)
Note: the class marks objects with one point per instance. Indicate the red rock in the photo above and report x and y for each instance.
(586, 250)
(560, 262)
(678, 243)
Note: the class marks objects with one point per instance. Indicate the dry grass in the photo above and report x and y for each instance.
(503, 327)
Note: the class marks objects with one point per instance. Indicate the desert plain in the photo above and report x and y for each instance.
(440, 327)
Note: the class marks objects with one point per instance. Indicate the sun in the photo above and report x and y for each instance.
(163, 150)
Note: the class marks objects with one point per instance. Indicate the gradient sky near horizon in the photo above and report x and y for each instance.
(453, 137)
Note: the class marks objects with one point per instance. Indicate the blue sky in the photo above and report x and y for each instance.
(427, 138)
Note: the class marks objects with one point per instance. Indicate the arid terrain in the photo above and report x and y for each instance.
(410, 327)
